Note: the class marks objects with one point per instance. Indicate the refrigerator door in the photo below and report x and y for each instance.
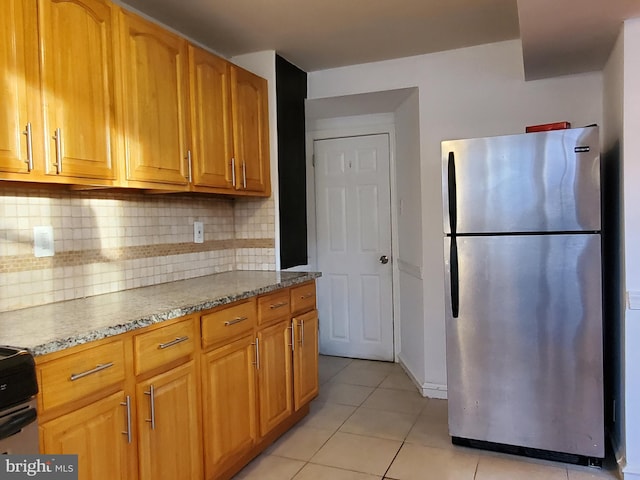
(524, 355)
(535, 182)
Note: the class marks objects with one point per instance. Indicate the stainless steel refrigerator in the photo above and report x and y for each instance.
(523, 293)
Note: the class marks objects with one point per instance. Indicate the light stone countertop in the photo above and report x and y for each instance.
(50, 328)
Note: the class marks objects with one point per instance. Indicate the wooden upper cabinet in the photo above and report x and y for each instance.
(249, 99)
(77, 70)
(210, 106)
(19, 84)
(154, 97)
(95, 95)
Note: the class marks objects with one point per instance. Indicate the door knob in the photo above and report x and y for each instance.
(384, 259)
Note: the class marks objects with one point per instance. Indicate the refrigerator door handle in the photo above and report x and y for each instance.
(453, 207)
(455, 284)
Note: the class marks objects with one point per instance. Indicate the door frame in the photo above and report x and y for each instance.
(355, 126)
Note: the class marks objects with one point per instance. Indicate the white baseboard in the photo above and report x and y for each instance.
(629, 472)
(430, 390)
(633, 300)
(434, 390)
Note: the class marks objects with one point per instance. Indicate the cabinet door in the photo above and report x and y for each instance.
(250, 131)
(210, 104)
(305, 358)
(229, 404)
(274, 375)
(97, 433)
(168, 424)
(18, 62)
(77, 65)
(154, 74)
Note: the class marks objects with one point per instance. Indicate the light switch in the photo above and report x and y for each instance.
(43, 241)
(198, 232)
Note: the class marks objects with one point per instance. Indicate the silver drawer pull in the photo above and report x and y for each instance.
(308, 295)
(278, 305)
(234, 321)
(178, 340)
(99, 368)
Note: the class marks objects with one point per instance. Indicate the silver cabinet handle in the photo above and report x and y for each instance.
(257, 350)
(58, 138)
(152, 407)
(127, 403)
(301, 324)
(99, 368)
(293, 342)
(28, 133)
(244, 174)
(234, 321)
(178, 340)
(278, 305)
(189, 167)
(233, 171)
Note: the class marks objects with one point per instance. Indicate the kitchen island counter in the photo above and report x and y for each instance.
(57, 326)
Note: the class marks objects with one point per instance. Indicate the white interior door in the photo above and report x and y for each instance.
(353, 229)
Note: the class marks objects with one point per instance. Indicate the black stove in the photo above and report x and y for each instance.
(18, 413)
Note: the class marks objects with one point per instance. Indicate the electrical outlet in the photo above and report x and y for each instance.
(198, 232)
(43, 241)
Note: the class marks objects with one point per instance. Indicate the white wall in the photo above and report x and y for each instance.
(631, 155)
(409, 224)
(469, 92)
(614, 291)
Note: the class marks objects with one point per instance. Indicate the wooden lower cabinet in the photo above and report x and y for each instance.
(190, 399)
(305, 358)
(275, 377)
(229, 406)
(169, 444)
(98, 434)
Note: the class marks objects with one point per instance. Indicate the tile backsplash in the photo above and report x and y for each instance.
(105, 242)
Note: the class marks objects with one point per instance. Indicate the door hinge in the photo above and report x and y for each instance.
(313, 160)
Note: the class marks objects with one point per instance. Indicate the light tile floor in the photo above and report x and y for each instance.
(370, 423)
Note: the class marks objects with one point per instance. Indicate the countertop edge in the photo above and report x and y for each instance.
(59, 344)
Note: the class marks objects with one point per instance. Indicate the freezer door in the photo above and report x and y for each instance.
(524, 355)
(535, 182)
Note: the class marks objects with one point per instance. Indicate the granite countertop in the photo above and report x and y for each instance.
(50, 328)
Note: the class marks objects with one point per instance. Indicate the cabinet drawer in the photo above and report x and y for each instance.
(80, 374)
(228, 322)
(274, 305)
(163, 345)
(303, 297)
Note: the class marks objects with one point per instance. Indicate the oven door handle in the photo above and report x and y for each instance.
(17, 422)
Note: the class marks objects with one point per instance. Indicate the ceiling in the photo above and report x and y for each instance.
(559, 37)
